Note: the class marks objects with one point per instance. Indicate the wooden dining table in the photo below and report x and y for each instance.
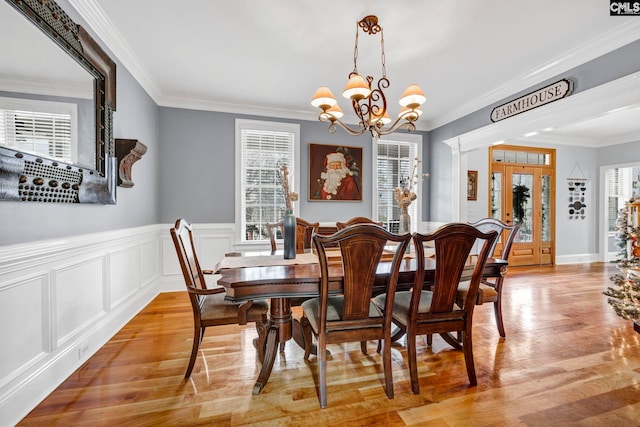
(280, 280)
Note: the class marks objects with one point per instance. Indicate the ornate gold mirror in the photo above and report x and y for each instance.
(57, 97)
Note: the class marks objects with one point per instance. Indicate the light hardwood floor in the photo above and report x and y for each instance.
(567, 360)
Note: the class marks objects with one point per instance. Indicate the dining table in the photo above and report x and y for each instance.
(263, 275)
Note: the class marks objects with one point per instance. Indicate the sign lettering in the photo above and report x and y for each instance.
(547, 94)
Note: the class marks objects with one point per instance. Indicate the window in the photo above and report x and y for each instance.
(395, 160)
(42, 128)
(524, 157)
(619, 190)
(261, 148)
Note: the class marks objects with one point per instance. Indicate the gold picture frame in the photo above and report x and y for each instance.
(472, 185)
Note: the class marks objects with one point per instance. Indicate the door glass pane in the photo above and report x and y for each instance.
(522, 157)
(496, 195)
(546, 208)
(522, 206)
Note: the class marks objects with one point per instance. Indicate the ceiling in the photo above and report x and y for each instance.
(268, 57)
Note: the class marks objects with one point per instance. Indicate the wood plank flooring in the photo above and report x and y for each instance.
(567, 360)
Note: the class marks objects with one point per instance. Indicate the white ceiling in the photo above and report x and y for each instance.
(267, 57)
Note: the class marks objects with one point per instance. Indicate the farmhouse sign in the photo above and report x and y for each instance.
(540, 97)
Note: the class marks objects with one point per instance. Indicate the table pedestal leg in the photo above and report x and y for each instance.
(298, 337)
(280, 320)
(271, 344)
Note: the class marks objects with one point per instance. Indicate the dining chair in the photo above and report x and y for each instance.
(304, 231)
(491, 288)
(439, 311)
(208, 304)
(352, 316)
(356, 220)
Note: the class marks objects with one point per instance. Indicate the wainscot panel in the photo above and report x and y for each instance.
(22, 302)
(124, 275)
(61, 300)
(78, 298)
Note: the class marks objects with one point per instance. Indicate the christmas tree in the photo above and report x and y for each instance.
(624, 296)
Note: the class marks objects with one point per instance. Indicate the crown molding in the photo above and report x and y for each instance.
(591, 49)
(98, 21)
(205, 104)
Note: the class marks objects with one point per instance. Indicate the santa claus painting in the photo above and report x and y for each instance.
(340, 177)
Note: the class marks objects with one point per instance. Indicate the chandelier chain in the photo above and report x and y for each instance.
(355, 53)
(382, 57)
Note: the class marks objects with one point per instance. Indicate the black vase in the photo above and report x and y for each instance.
(289, 223)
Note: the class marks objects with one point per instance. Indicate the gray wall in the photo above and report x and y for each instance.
(619, 154)
(136, 118)
(197, 167)
(616, 64)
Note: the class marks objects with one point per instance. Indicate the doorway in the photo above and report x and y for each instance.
(523, 193)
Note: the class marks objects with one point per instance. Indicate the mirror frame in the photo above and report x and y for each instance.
(31, 178)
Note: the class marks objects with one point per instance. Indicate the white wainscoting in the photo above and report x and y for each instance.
(63, 299)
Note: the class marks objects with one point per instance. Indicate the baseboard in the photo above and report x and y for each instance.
(576, 258)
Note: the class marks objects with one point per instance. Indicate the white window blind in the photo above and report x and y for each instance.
(43, 134)
(395, 157)
(42, 128)
(264, 147)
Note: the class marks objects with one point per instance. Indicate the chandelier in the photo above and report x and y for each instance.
(369, 104)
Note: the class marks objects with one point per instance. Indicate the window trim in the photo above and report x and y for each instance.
(262, 125)
(400, 137)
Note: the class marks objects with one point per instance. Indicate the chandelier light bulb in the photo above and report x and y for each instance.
(323, 98)
(356, 88)
(335, 112)
(411, 114)
(413, 97)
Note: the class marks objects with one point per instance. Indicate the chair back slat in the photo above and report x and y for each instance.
(272, 229)
(453, 245)
(304, 232)
(452, 254)
(360, 258)
(182, 235)
(506, 234)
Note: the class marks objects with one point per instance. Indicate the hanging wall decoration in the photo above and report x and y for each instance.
(577, 194)
(335, 173)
